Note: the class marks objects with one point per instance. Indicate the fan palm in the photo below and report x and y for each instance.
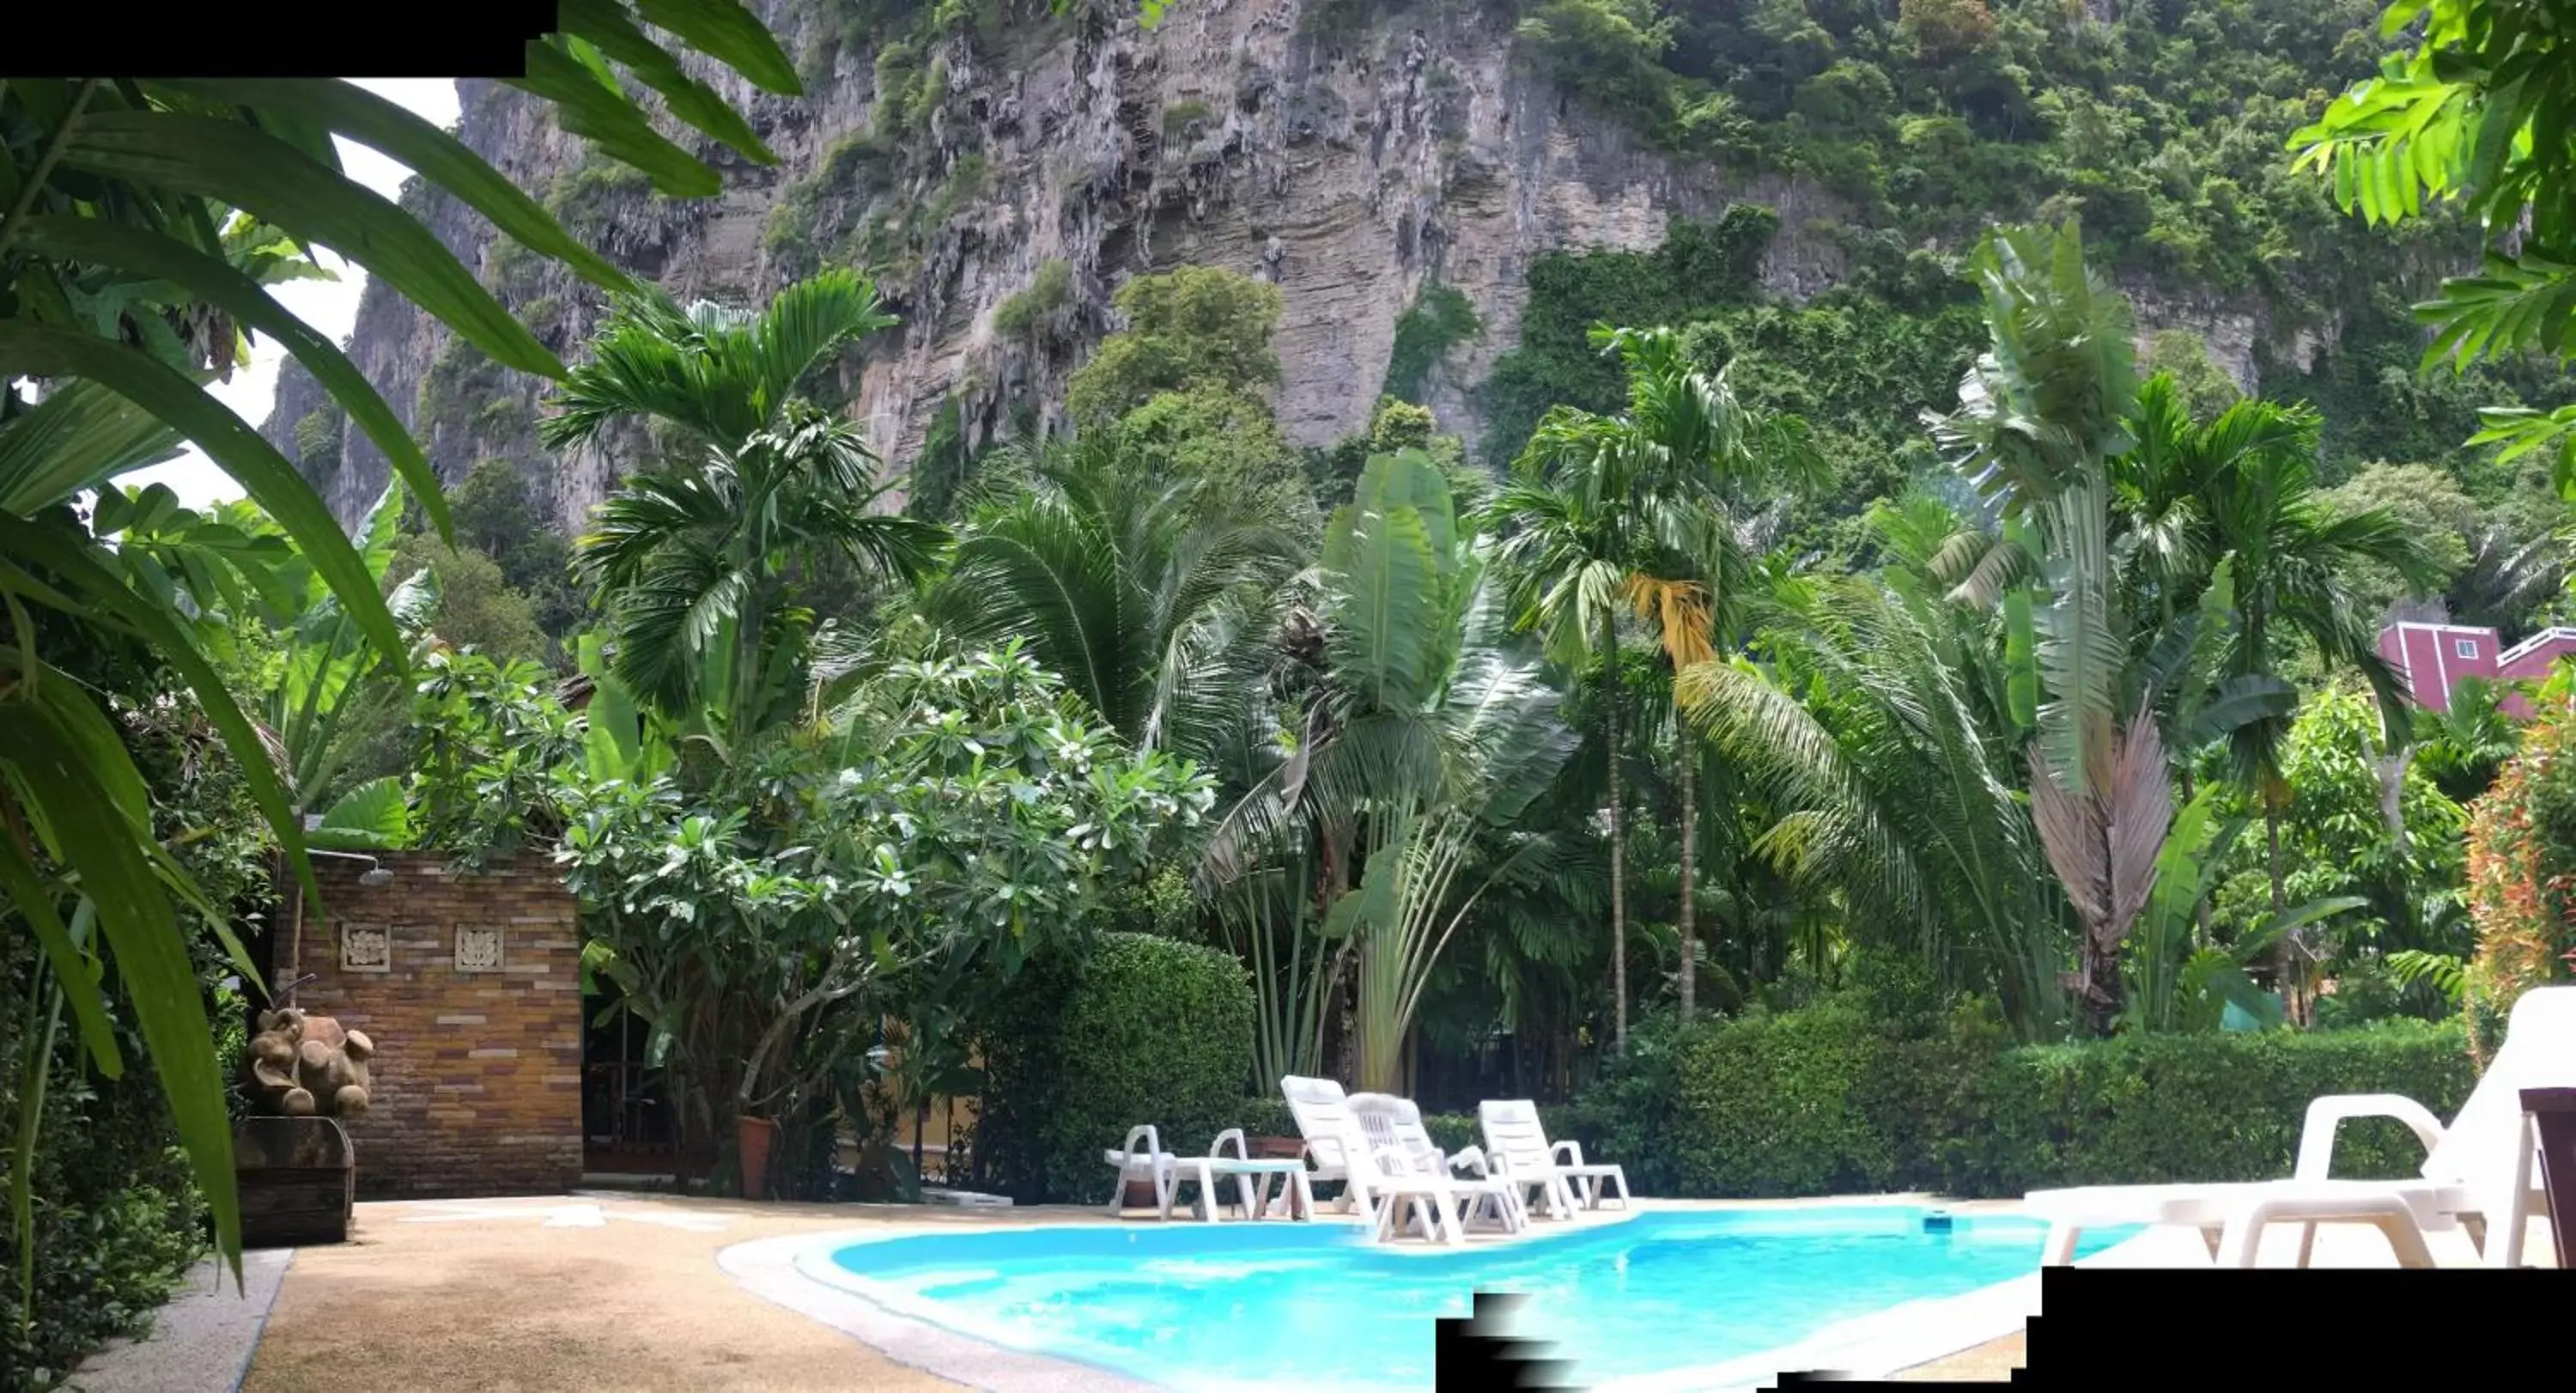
(2041, 414)
(144, 220)
(1154, 600)
(1430, 735)
(693, 563)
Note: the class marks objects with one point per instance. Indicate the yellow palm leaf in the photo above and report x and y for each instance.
(1679, 610)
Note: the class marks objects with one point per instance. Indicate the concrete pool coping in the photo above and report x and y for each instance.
(798, 1272)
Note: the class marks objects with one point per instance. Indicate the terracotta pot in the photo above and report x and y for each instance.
(755, 1135)
(1139, 1194)
(1275, 1148)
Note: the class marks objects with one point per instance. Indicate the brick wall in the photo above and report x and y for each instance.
(469, 985)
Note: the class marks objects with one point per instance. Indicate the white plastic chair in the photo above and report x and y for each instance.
(1333, 1140)
(1517, 1146)
(1393, 1126)
(1168, 1173)
(2478, 1173)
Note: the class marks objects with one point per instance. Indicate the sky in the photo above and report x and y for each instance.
(329, 306)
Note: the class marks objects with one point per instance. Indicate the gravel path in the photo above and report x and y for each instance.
(201, 1342)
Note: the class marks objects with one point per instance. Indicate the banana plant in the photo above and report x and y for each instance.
(129, 275)
(2215, 978)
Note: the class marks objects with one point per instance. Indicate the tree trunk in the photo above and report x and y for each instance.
(2200, 910)
(2285, 954)
(1690, 881)
(1618, 851)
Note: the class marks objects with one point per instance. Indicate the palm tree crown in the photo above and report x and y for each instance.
(691, 561)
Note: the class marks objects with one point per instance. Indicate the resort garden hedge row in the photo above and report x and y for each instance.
(1838, 1099)
(1139, 1029)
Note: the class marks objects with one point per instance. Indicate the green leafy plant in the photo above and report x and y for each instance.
(1140, 1029)
(694, 562)
(198, 193)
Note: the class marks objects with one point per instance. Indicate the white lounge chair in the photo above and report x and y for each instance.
(1516, 1145)
(1334, 1140)
(2478, 1173)
(1167, 1173)
(1393, 1125)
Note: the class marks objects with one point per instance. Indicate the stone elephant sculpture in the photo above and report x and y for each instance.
(301, 1065)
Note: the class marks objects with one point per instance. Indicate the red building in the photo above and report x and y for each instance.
(2432, 658)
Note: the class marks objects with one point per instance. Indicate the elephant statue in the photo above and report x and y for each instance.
(303, 1065)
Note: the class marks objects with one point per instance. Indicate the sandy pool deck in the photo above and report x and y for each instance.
(619, 1291)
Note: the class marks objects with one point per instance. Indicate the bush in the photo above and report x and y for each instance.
(1839, 1098)
(117, 1221)
(1050, 290)
(2144, 1109)
(1143, 1029)
(2522, 876)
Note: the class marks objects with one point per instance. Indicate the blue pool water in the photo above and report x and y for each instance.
(1234, 1305)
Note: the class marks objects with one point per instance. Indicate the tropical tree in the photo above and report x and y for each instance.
(1603, 512)
(1156, 600)
(2463, 746)
(143, 221)
(2474, 115)
(2041, 415)
(694, 563)
(2241, 490)
(1877, 721)
(1429, 734)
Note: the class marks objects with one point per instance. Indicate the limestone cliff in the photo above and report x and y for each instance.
(1351, 162)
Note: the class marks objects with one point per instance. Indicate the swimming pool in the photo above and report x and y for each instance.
(1243, 1306)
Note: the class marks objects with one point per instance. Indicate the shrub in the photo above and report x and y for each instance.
(1439, 320)
(1837, 1098)
(116, 1220)
(1142, 1029)
(1047, 292)
(2522, 876)
(2143, 1109)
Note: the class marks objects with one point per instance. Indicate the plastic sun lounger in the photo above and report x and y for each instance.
(1167, 1173)
(1393, 1127)
(1516, 1143)
(1334, 1141)
(2477, 1174)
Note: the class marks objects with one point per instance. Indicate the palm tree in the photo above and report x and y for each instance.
(2464, 745)
(188, 199)
(1878, 725)
(1155, 600)
(693, 563)
(1429, 734)
(2041, 415)
(2241, 490)
(1602, 511)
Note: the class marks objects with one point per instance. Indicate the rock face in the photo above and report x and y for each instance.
(1352, 161)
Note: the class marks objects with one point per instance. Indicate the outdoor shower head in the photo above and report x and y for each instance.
(374, 877)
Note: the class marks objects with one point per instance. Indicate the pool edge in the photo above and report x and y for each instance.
(797, 1272)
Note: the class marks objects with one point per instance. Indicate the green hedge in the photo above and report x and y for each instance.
(2201, 1107)
(1840, 1099)
(1142, 1029)
(1269, 1117)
